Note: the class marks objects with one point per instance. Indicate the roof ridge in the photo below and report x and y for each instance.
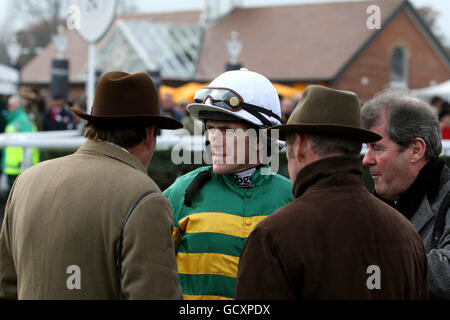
(330, 2)
(152, 14)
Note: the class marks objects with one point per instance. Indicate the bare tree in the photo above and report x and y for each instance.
(43, 9)
(35, 12)
(430, 17)
(41, 19)
(127, 7)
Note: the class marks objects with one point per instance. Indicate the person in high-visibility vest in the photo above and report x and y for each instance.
(16, 159)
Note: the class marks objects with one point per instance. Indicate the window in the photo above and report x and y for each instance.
(399, 67)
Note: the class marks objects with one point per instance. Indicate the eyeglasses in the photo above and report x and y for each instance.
(230, 100)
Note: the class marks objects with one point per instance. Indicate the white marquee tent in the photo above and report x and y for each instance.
(9, 80)
(441, 90)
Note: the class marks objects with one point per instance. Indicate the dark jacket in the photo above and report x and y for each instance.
(334, 241)
(58, 119)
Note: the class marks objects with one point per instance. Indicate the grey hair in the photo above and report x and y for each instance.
(408, 118)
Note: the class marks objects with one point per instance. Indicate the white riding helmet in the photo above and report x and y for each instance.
(240, 94)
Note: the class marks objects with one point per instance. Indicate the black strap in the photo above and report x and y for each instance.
(119, 254)
(262, 110)
(439, 222)
(198, 182)
(256, 111)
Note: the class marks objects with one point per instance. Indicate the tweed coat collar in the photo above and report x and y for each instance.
(109, 150)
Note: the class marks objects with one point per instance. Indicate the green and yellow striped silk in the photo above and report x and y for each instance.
(210, 235)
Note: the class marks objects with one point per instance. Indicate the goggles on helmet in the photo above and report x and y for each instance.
(230, 100)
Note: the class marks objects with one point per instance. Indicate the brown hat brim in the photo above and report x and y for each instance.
(352, 133)
(160, 121)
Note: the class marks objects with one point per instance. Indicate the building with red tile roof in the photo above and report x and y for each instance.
(327, 43)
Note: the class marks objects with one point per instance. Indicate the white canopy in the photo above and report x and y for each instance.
(9, 80)
(441, 90)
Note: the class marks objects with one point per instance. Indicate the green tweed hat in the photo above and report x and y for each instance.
(330, 112)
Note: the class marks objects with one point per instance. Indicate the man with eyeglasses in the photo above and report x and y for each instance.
(216, 207)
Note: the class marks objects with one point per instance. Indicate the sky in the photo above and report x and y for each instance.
(442, 6)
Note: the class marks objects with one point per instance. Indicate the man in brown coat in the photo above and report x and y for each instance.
(335, 240)
(94, 225)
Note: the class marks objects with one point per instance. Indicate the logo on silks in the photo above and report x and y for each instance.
(244, 181)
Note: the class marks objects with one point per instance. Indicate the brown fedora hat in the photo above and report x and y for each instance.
(330, 112)
(127, 99)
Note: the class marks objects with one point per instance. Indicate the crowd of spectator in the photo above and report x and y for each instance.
(29, 111)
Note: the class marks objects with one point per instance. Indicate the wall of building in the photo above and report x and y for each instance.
(425, 65)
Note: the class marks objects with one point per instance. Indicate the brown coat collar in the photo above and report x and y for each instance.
(109, 150)
(330, 167)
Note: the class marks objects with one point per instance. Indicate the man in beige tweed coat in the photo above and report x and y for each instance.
(94, 225)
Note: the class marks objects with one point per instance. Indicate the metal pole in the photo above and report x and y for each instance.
(91, 78)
